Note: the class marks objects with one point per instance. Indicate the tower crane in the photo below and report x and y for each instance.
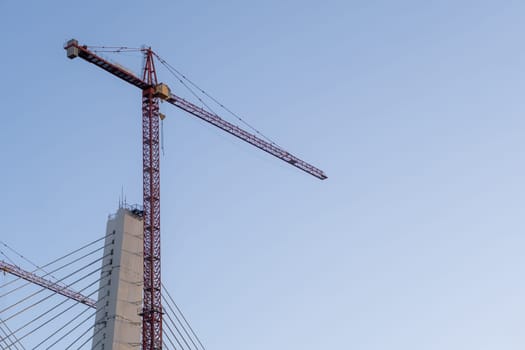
(152, 93)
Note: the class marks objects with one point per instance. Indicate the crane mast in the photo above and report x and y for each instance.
(152, 92)
(152, 306)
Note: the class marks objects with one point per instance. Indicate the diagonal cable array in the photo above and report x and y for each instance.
(44, 317)
(42, 268)
(51, 307)
(179, 333)
(7, 340)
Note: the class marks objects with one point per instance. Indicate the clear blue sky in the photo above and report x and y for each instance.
(413, 108)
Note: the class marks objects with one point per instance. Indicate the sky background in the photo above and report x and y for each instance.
(414, 109)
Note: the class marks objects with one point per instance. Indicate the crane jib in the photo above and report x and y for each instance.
(75, 50)
(245, 136)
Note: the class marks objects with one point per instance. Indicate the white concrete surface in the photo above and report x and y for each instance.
(118, 323)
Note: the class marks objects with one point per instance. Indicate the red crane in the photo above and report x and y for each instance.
(152, 92)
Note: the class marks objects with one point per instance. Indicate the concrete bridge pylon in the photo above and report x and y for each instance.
(118, 321)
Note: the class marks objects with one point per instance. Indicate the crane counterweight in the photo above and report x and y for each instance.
(72, 48)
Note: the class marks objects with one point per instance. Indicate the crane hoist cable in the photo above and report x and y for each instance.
(180, 75)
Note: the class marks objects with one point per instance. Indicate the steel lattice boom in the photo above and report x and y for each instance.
(152, 92)
(199, 112)
(42, 282)
(245, 136)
